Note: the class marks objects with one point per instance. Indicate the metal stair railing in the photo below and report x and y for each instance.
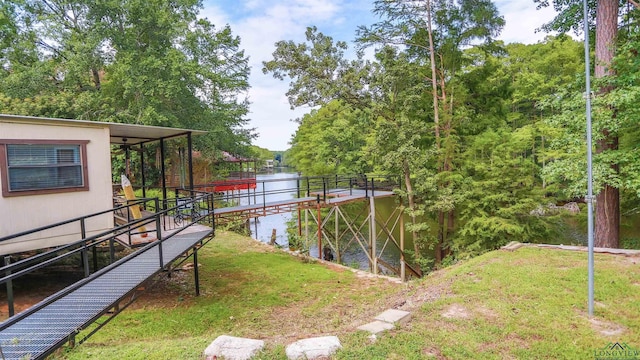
(15, 270)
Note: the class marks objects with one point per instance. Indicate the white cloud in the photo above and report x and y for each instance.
(216, 15)
(522, 20)
(261, 23)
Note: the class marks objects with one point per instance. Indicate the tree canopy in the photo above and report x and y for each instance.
(143, 62)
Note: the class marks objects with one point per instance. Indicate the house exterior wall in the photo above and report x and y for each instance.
(22, 213)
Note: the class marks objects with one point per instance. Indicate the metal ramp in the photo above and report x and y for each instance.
(45, 327)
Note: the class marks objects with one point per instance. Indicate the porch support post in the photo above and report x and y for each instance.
(299, 223)
(190, 157)
(164, 177)
(127, 162)
(144, 190)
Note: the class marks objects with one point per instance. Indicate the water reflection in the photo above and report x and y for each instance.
(266, 224)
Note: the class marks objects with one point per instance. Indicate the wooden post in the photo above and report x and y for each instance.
(337, 230)
(299, 223)
(372, 225)
(319, 229)
(273, 237)
(306, 229)
(402, 264)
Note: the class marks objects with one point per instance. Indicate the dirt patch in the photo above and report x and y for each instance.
(604, 327)
(486, 313)
(309, 317)
(413, 297)
(433, 352)
(504, 345)
(35, 287)
(633, 260)
(456, 311)
(607, 328)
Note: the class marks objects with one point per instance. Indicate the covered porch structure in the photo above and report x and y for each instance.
(53, 170)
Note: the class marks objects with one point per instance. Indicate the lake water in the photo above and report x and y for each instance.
(266, 224)
(263, 227)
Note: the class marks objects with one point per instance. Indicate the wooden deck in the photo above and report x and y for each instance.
(335, 197)
(264, 209)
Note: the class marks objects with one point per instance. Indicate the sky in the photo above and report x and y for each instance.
(261, 23)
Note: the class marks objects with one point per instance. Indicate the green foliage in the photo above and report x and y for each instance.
(630, 243)
(331, 140)
(500, 193)
(261, 154)
(615, 111)
(318, 70)
(478, 163)
(142, 62)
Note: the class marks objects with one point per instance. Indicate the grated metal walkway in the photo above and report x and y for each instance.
(39, 333)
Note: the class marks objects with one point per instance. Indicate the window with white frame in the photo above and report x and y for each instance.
(43, 167)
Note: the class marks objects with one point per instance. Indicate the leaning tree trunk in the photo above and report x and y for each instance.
(412, 206)
(607, 231)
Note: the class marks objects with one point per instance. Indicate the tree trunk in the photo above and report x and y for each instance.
(607, 231)
(440, 241)
(436, 120)
(412, 205)
(450, 227)
(434, 78)
(96, 78)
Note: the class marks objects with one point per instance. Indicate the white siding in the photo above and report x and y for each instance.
(21, 213)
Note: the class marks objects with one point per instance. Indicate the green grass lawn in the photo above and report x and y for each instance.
(526, 304)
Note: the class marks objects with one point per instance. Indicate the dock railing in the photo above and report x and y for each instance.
(325, 186)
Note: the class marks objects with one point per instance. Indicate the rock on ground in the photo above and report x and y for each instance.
(233, 348)
(313, 348)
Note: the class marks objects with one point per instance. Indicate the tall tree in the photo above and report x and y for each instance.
(319, 71)
(383, 91)
(437, 32)
(607, 231)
